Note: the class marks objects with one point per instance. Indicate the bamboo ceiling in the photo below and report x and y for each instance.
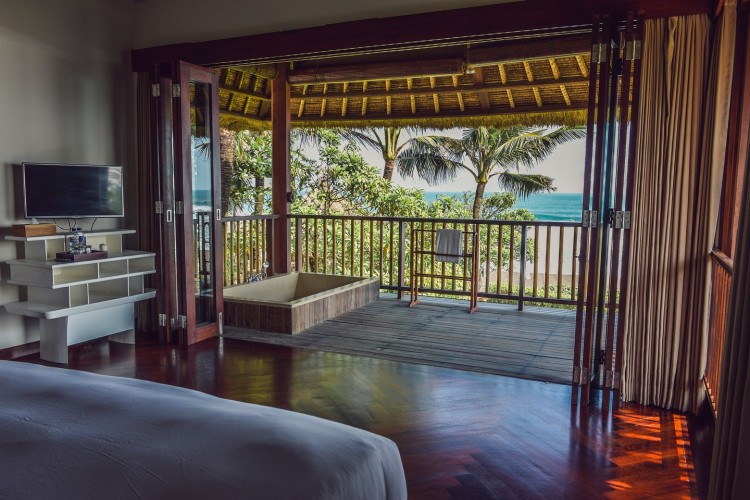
(535, 84)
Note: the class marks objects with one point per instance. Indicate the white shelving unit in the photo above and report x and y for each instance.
(80, 301)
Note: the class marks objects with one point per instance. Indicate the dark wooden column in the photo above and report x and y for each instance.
(281, 177)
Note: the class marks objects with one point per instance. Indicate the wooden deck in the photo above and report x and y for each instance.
(536, 343)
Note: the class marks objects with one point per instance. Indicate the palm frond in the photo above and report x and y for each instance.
(368, 138)
(435, 159)
(522, 185)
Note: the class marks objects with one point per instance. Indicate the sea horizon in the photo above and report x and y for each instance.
(554, 206)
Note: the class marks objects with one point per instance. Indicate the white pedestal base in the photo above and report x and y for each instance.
(59, 333)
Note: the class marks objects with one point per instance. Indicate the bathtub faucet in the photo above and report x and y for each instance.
(259, 276)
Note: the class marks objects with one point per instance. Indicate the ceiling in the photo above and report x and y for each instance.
(539, 81)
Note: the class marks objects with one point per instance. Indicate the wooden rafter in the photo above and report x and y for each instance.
(554, 68)
(459, 95)
(324, 101)
(582, 66)
(364, 99)
(537, 96)
(565, 94)
(413, 100)
(503, 73)
(484, 96)
(345, 100)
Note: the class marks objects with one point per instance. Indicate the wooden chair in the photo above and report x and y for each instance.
(424, 245)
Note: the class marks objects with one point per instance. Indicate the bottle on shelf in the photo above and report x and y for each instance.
(76, 241)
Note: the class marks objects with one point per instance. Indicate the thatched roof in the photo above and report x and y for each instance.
(540, 83)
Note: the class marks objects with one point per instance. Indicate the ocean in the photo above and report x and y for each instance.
(563, 207)
(557, 207)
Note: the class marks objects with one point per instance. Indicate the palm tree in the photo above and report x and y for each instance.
(387, 143)
(486, 153)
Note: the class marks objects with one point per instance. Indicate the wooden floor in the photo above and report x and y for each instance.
(536, 343)
(462, 435)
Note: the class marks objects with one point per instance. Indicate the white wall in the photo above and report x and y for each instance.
(65, 97)
(161, 22)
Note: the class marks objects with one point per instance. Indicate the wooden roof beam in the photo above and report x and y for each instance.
(377, 71)
(477, 87)
(443, 114)
(245, 93)
(541, 48)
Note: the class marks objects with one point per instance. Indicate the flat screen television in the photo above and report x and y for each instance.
(53, 190)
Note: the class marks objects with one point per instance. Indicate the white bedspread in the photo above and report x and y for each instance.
(69, 434)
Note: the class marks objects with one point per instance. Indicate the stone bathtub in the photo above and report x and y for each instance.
(291, 303)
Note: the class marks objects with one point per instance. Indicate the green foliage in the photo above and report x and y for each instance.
(340, 181)
(252, 164)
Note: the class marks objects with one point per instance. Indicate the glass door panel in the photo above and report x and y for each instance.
(197, 190)
(203, 201)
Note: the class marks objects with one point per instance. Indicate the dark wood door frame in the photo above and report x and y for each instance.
(450, 27)
(190, 331)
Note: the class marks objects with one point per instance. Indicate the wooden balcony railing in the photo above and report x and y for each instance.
(247, 245)
(519, 261)
(721, 282)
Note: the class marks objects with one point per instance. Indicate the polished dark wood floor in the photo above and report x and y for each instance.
(462, 435)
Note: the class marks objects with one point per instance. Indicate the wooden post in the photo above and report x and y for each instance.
(298, 244)
(281, 177)
(522, 270)
(401, 245)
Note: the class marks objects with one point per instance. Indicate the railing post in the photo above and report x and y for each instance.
(522, 270)
(401, 246)
(269, 245)
(298, 244)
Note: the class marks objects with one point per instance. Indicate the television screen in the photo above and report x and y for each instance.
(71, 191)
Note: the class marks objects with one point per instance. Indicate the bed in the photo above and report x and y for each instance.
(70, 434)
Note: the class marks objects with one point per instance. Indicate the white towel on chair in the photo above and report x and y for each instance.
(448, 245)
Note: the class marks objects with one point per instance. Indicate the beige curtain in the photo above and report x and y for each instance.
(730, 466)
(663, 346)
(146, 230)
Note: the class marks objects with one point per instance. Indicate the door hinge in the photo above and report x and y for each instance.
(608, 378)
(576, 374)
(155, 90)
(599, 53)
(218, 214)
(633, 50)
(619, 219)
(179, 207)
(162, 320)
(182, 320)
(615, 380)
(590, 218)
(176, 91)
(158, 207)
(585, 375)
(221, 323)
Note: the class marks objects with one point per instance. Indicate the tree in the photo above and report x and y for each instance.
(227, 140)
(385, 142)
(486, 153)
(252, 164)
(340, 181)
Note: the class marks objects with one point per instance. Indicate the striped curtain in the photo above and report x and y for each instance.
(672, 232)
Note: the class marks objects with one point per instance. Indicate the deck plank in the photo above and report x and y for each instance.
(536, 343)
